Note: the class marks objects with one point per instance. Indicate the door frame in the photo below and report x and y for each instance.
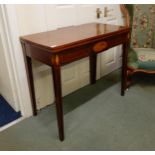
(15, 61)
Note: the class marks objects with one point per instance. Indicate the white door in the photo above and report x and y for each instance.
(111, 59)
(7, 79)
(37, 18)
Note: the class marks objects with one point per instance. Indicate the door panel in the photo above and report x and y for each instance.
(86, 13)
(84, 72)
(54, 14)
(111, 59)
(43, 88)
(70, 78)
(108, 61)
(30, 18)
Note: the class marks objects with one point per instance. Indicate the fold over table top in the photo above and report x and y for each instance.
(73, 35)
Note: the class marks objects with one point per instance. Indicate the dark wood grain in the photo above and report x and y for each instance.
(58, 96)
(73, 36)
(92, 66)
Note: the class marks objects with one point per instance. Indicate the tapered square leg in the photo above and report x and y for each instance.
(28, 66)
(58, 99)
(92, 66)
(31, 85)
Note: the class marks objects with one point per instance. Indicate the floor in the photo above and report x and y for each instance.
(96, 118)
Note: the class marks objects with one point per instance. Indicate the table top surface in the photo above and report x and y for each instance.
(71, 35)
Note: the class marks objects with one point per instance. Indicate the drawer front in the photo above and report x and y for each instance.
(101, 45)
(109, 42)
(119, 39)
(74, 54)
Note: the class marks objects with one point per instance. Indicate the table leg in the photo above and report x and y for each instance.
(92, 66)
(58, 99)
(31, 85)
(124, 69)
(28, 65)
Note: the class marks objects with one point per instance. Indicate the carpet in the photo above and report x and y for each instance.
(96, 117)
(7, 113)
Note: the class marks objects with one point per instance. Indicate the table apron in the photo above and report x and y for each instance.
(72, 54)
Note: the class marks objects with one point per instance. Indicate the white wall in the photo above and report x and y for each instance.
(14, 62)
(5, 86)
(6, 89)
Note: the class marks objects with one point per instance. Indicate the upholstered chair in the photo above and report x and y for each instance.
(141, 52)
